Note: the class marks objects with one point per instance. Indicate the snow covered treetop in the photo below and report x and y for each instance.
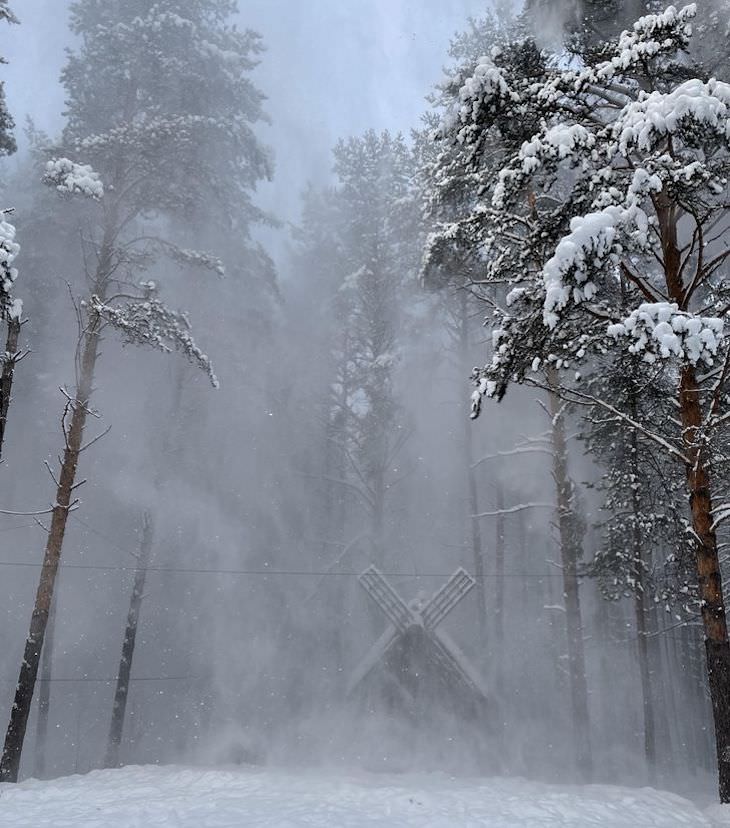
(604, 218)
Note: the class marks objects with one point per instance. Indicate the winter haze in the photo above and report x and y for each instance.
(281, 523)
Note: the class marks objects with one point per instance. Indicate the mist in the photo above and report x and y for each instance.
(327, 435)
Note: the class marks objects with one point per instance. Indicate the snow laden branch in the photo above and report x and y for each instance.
(146, 249)
(150, 322)
(662, 330)
(71, 178)
(510, 510)
(582, 203)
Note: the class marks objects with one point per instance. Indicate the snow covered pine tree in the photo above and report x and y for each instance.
(624, 184)
(153, 82)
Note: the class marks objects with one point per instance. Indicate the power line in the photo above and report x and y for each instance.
(109, 680)
(303, 573)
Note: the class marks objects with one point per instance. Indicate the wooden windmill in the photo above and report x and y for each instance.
(415, 669)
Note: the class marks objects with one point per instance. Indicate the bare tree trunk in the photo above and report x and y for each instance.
(663, 693)
(6, 376)
(475, 533)
(569, 554)
(646, 691)
(78, 408)
(640, 615)
(44, 692)
(121, 692)
(717, 645)
(471, 483)
(499, 568)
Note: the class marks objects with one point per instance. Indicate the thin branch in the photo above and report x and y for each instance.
(588, 399)
(91, 442)
(520, 507)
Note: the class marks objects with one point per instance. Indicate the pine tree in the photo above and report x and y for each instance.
(617, 182)
(374, 184)
(459, 170)
(160, 123)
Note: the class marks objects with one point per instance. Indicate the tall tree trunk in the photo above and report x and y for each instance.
(640, 612)
(569, 554)
(44, 692)
(121, 692)
(78, 407)
(475, 530)
(6, 376)
(717, 645)
(646, 690)
(699, 486)
(499, 568)
(664, 699)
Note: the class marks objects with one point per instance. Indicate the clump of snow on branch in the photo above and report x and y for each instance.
(485, 90)
(591, 240)
(660, 329)
(150, 322)
(653, 116)
(594, 242)
(650, 36)
(9, 249)
(71, 178)
(554, 144)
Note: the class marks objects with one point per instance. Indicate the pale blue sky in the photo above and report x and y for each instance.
(332, 68)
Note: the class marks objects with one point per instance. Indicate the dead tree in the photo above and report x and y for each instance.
(73, 424)
(121, 692)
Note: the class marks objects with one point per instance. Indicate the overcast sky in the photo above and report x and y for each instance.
(332, 68)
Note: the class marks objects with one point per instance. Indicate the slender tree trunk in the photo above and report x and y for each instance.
(78, 407)
(475, 533)
(121, 693)
(44, 692)
(663, 693)
(471, 482)
(646, 691)
(569, 553)
(499, 568)
(717, 645)
(6, 376)
(647, 701)
(689, 692)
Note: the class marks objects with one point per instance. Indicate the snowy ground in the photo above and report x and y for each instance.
(182, 797)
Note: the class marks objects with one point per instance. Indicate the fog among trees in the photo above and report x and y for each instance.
(364, 401)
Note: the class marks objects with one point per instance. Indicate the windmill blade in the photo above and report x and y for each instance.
(394, 607)
(446, 598)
